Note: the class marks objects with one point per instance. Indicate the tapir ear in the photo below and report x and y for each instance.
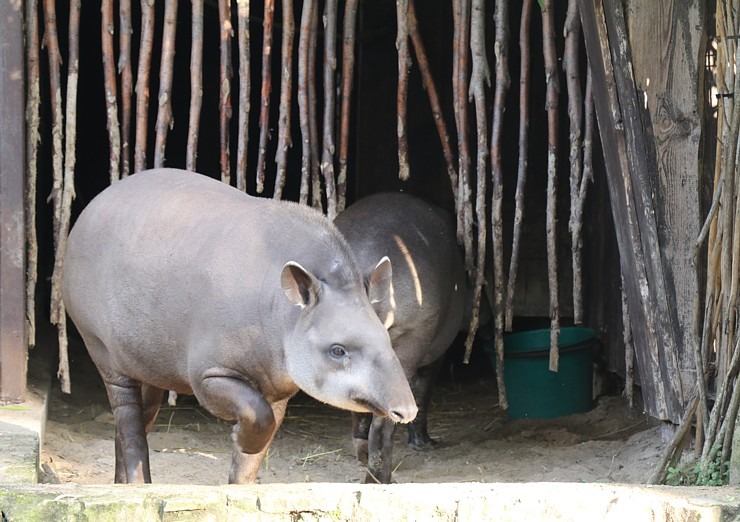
(300, 286)
(380, 292)
(380, 281)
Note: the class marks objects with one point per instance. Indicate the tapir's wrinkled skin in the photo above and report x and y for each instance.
(178, 282)
(426, 309)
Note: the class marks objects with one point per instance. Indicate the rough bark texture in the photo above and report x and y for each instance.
(286, 95)
(225, 74)
(669, 34)
(196, 85)
(628, 163)
(242, 10)
(142, 83)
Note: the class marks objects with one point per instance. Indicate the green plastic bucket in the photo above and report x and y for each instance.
(532, 389)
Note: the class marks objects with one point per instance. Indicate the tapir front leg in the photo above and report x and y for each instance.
(380, 451)
(256, 423)
(421, 386)
(245, 466)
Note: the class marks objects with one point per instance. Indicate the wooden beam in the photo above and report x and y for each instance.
(13, 354)
(668, 42)
(628, 163)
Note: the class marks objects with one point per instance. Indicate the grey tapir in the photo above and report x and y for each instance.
(179, 282)
(426, 308)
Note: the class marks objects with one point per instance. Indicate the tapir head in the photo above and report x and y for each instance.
(339, 352)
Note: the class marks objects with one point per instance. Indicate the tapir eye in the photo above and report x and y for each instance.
(337, 351)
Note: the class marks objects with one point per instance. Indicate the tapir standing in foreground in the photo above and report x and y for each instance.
(179, 282)
(425, 311)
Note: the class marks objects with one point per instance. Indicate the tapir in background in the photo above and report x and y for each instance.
(179, 282)
(423, 315)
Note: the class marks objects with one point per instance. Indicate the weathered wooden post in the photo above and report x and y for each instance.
(653, 166)
(12, 218)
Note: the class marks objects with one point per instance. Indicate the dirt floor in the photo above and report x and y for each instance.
(607, 444)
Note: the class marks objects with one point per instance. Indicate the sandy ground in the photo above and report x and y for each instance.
(607, 444)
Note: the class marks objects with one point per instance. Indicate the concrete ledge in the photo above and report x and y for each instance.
(329, 502)
(21, 435)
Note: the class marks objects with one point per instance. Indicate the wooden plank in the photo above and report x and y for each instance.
(621, 133)
(13, 355)
(667, 40)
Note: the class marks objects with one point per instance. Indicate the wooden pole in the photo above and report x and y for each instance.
(245, 90)
(479, 79)
(404, 64)
(286, 95)
(142, 83)
(330, 65)
(166, 65)
(265, 92)
(127, 83)
(33, 102)
(304, 66)
(572, 71)
(196, 85)
(551, 105)
(111, 91)
(224, 100)
(431, 89)
(524, 51)
(348, 67)
(13, 351)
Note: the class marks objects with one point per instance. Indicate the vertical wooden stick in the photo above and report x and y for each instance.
(111, 92)
(196, 85)
(551, 105)
(464, 205)
(404, 64)
(52, 46)
(265, 93)
(316, 200)
(330, 66)
(33, 102)
(431, 90)
(303, 110)
(225, 74)
(521, 181)
(164, 114)
(348, 66)
(242, 7)
(127, 83)
(58, 313)
(480, 77)
(501, 51)
(142, 83)
(575, 114)
(286, 95)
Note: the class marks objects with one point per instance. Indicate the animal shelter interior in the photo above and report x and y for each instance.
(588, 185)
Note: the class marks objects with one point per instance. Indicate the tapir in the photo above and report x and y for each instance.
(423, 315)
(179, 282)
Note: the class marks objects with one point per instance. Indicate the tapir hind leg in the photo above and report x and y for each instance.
(151, 398)
(360, 433)
(132, 451)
